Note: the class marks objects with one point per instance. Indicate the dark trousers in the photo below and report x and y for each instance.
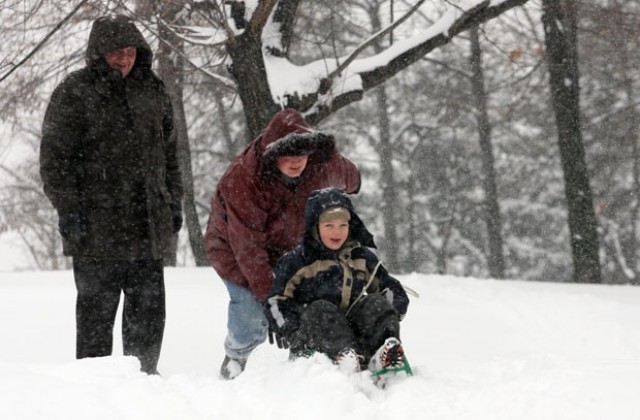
(99, 284)
(326, 329)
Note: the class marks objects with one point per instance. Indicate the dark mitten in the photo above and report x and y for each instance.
(72, 226)
(176, 217)
(275, 337)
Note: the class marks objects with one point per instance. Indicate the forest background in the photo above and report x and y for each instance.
(495, 138)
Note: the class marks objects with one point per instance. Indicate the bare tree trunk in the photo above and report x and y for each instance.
(635, 214)
(231, 149)
(559, 19)
(633, 135)
(253, 88)
(171, 71)
(445, 228)
(412, 234)
(492, 206)
(628, 67)
(389, 197)
(388, 185)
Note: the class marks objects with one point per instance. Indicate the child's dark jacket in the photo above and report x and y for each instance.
(311, 272)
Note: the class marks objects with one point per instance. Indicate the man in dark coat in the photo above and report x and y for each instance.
(108, 163)
(257, 214)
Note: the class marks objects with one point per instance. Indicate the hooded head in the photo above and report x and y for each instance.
(331, 204)
(111, 33)
(288, 134)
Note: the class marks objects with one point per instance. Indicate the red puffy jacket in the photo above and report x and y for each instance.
(255, 216)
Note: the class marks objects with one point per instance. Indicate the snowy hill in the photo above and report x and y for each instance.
(481, 349)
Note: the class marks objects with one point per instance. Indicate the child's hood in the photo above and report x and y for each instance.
(319, 201)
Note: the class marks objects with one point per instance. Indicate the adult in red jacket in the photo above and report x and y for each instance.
(257, 215)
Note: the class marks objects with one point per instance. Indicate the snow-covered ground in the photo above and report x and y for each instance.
(480, 349)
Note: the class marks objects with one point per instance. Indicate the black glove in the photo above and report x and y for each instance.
(277, 338)
(176, 217)
(73, 226)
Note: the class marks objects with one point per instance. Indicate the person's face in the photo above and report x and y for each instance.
(292, 166)
(122, 60)
(334, 233)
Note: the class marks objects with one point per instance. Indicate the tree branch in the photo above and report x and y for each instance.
(44, 40)
(364, 45)
(378, 75)
(261, 15)
(481, 13)
(285, 13)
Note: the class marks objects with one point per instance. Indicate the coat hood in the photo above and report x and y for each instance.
(110, 33)
(288, 134)
(319, 201)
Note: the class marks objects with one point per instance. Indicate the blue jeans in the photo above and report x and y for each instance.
(247, 326)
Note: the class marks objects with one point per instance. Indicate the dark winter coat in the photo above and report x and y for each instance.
(108, 156)
(312, 272)
(256, 214)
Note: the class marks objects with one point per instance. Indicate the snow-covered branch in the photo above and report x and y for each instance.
(322, 87)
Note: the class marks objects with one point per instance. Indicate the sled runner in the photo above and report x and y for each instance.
(389, 361)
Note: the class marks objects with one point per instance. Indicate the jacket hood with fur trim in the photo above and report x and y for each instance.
(319, 201)
(288, 134)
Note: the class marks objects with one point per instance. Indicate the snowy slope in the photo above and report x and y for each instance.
(481, 349)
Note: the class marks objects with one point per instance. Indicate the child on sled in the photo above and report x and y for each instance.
(332, 295)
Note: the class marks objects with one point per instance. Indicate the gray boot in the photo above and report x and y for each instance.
(231, 368)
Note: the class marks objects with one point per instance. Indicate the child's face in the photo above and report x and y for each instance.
(334, 233)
